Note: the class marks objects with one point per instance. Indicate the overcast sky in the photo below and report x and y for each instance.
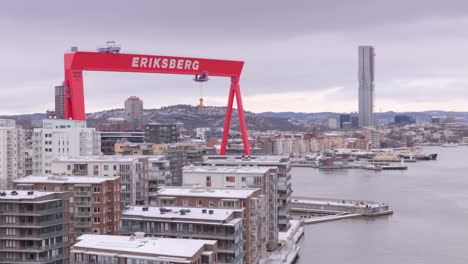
(300, 55)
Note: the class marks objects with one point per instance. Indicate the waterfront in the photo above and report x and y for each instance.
(430, 220)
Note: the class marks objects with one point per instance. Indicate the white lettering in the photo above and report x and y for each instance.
(195, 65)
(135, 61)
(180, 64)
(172, 64)
(187, 64)
(143, 62)
(156, 63)
(150, 61)
(164, 63)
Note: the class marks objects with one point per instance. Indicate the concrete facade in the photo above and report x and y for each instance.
(366, 85)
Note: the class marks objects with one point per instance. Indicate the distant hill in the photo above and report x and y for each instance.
(212, 116)
(384, 117)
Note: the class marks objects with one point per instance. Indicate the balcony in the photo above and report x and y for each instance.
(203, 235)
(82, 225)
(82, 203)
(81, 214)
(83, 194)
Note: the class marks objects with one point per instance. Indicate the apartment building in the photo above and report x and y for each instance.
(177, 160)
(264, 178)
(34, 227)
(132, 148)
(95, 203)
(132, 170)
(161, 133)
(283, 166)
(62, 138)
(142, 250)
(223, 225)
(249, 199)
(12, 153)
(159, 174)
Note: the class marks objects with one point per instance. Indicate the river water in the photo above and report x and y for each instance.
(430, 220)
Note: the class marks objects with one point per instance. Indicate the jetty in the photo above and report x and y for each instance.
(317, 210)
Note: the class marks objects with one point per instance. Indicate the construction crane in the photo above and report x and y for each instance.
(201, 79)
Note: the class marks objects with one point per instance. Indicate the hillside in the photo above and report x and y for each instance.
(193, 117)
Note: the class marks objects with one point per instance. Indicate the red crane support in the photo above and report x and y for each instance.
(77, 62)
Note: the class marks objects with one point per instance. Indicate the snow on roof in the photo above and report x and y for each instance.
(267, 159)
(106, 158)
(217, 214)
(23, 194)
(158, 246)
(64, 179)
(233, 193)
(227, 169)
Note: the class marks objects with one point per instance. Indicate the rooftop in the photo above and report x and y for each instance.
(237, 159)
(172, 247)
(232, 193)
(95, 158)
(227, 169)
(64, 179)
(175, 213)
(23, 194)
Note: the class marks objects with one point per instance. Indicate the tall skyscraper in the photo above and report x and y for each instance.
(133, 109)
(60, 101)
(366, 85)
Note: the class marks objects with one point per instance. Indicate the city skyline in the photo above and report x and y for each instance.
(308, 59)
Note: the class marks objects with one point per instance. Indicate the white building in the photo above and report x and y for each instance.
(12, 153)
(140, 249)
(132, 170)
(62, 138)
(265, 178)
(201, 132)
(332, 123)
(283, 181)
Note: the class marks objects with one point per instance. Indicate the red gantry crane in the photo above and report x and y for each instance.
(110, 59)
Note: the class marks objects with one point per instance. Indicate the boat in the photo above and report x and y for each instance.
(418, 155)
(450, 145)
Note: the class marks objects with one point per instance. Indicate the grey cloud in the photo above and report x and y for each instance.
(287, 46)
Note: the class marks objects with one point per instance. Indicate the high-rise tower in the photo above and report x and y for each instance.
(133, 109)
(366, 85)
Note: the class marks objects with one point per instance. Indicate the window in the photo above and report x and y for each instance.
(10, 243)
(106, 167)
(96, 189)
(211, 203)
(243, 179)
(208, 178)
(199, 202)
(96, 199)
(10, 231)
(68, 167)
(230, 179)
(97, 220)
(97, 209)
(185, 202)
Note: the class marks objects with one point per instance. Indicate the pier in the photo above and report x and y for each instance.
(317, 210)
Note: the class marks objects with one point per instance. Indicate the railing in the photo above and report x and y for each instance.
(82, 214)
(83, 194)
(82, 203)
(82, 225)
(206, 235)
